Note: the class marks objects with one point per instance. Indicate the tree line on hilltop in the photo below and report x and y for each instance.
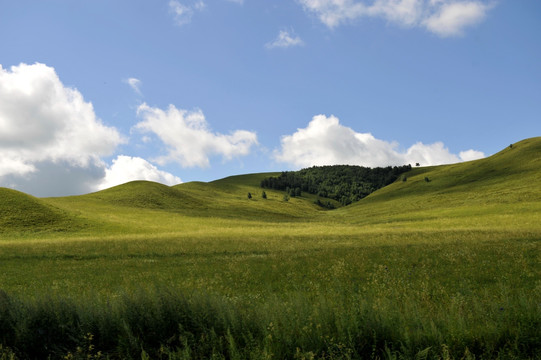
(343, 183)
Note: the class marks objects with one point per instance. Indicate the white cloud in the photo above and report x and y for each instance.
(188, 137)
(469, 155)
(442, 17)
(431, 154)
(285, 40)
(44, 124)
(183, 13)
(326, 142)
(52, 143)
(135, 84)
(127, 168)
(452, 18)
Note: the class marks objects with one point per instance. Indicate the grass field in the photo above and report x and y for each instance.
(444, 265)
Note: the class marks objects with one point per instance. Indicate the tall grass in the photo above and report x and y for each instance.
(169, 324)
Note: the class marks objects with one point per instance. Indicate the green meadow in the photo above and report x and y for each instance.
(444, 263)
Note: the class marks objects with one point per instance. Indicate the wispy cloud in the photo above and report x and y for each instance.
(285, 39)
(183, 13)
(442, 17)
(326, 142)
(135, 84)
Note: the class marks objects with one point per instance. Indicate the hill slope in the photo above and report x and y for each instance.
(225, 198)
(508, 182)
(143, 195)
(501, 190)
(143, 207)
(20, 212)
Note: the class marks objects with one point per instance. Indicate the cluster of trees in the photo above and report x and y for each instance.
(344, 183)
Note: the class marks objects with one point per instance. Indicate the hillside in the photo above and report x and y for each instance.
(20, 212)
(470, 194)
(224, 198)
(506, 183)
(143, 207)
(144, 195)
(507, 176)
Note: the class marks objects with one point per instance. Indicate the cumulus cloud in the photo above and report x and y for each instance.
(45, 125)
(470, 155)
(127, 168)
(188, 137)
(41, 119)
(326, 142)
(52, 143)
(442, 17)
(285, 40)
(183, 13)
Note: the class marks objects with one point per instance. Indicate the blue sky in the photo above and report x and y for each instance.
(96, 93)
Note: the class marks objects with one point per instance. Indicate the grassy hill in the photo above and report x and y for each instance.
(147, 207)
(471, 194)
(20, 212)
(143, 195)
(503, 190)
(511, 175)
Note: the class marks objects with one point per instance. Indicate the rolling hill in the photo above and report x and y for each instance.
(486, 192)
(475, 193)
(24, 213)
